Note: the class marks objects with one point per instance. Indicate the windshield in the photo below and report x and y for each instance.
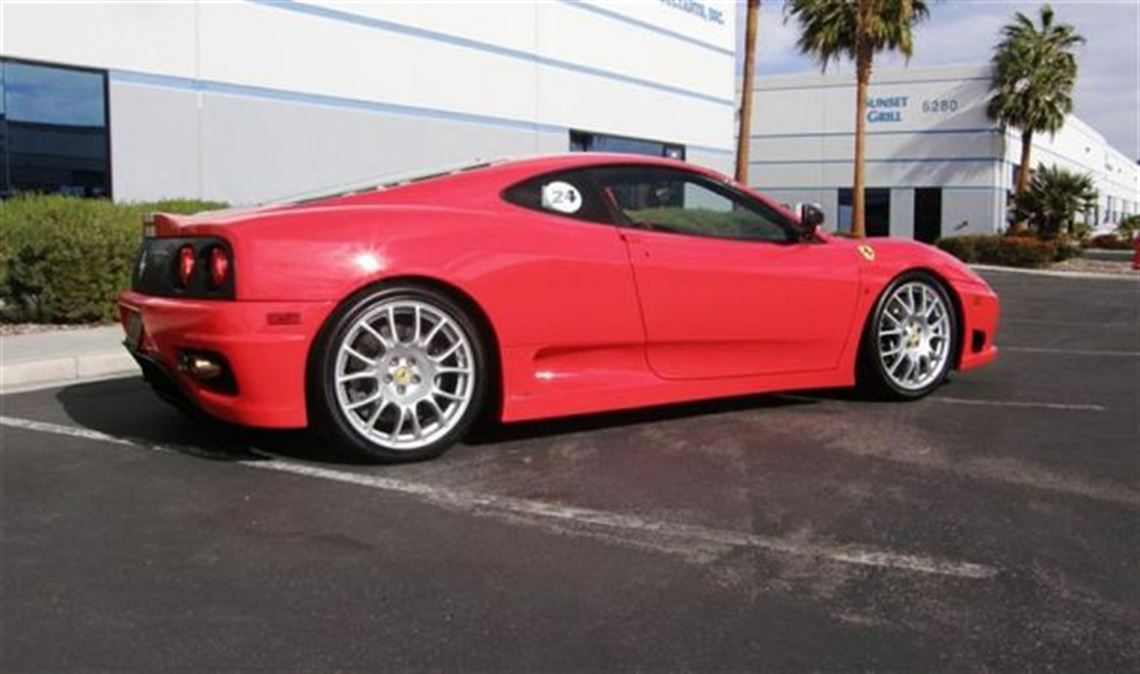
(381, 183)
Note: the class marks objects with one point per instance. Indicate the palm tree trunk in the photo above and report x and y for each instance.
(1023, 173)
(744, 138)
(858, 191)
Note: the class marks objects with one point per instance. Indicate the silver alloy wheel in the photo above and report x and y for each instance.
(405, 374)
(914, 336)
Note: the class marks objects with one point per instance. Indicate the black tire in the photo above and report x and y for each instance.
(326, 413)
(872, 377)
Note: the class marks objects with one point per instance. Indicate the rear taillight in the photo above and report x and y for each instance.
(187, 260)
(219, 266)
(196, 267)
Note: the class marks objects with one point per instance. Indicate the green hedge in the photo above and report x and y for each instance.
(1009, 251)
(63, 259)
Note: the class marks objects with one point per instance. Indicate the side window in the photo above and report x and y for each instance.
(570, 194)
(667, 200)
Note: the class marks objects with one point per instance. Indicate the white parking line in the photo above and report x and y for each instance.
(641, 531)
(73, 431)
(1071, 352)
(1076, 407)
(1102, 276)
(1072, 324)
(1020, 403)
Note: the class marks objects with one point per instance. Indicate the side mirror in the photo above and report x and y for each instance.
(811, 219)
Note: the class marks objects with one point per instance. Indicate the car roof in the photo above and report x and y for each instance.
(507, 168)
(578, 159)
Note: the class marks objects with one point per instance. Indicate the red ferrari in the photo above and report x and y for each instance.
(391, 316)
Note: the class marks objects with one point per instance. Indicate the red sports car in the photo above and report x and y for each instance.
(392, 316)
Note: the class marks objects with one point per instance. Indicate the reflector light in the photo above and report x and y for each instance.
(219, 266)
(186, 262)
(148, 226)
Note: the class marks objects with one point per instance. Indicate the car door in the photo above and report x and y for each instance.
(571, 292)
(726, 287)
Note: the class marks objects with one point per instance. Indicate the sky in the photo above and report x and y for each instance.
(964, 31)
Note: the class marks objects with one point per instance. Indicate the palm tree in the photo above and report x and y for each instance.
(1034, 72)
(856, 29)
(1054, 198)
(743, 137)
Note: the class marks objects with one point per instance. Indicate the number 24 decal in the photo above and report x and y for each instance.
(561, 196)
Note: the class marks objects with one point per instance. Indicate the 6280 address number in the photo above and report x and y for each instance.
(940, 105)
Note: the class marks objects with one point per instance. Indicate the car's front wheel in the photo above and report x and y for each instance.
(400, 374)
(909, 343)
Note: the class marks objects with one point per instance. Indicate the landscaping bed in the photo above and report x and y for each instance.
(1009, 251)
(1082, 264)
(13, 329)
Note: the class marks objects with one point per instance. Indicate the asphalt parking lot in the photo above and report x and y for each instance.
(992, 527)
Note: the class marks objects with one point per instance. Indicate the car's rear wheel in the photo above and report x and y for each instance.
(909, 344)
(400, 374)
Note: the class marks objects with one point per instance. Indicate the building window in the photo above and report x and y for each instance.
(928, 214)
(53, 130)
(877, 215)
(584, 141)
(844, 217)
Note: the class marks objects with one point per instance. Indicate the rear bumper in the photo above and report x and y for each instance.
(265, 344)
(981, 309)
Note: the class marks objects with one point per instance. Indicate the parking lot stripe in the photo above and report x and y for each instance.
(638, 530)
(1072, 352)
(1072, 324)
(1020, 403)
(974, 401)
(1099, 276)
(57, 429)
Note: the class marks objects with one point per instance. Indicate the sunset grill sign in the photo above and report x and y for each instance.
(888, 109)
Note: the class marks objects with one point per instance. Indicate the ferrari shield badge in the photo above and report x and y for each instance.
(867, 252)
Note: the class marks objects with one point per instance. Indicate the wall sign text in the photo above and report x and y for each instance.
(885, 109)
(697, 9)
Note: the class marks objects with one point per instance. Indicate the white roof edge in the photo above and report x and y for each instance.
(880, 75)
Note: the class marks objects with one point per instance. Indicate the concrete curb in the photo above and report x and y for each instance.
(1059, 274)
(14, 376)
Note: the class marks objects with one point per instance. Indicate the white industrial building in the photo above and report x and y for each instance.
(936, 166)
(250, 100)
(253, 99)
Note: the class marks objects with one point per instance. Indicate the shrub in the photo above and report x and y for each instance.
(1054, 199)
(1109, 242)
(63, 260)
(1066, 248)
(965, 248)
(1129, 227)
(1009, 251)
